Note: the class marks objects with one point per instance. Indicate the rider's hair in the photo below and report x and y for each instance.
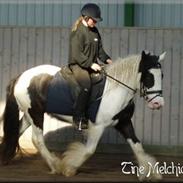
(78, 21)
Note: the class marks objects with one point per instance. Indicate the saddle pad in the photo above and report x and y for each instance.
(60, 99)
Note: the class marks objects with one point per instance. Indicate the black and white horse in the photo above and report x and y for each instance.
(28, 94)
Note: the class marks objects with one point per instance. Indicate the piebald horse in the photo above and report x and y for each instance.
(28, 93)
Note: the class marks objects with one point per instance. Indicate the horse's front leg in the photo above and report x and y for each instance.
(78, 153)
(145, 161)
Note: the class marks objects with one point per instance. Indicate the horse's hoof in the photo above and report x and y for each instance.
(151, 177)
(55, 169)
(157, 177)
(69, 172)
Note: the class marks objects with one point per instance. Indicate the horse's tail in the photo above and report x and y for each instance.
(1, 117)
(10, 125)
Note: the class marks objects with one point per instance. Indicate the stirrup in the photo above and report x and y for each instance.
(81, 123)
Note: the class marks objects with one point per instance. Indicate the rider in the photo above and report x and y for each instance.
(84, 49)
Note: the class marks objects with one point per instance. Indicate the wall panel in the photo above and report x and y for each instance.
(56, 13)
(159, 14)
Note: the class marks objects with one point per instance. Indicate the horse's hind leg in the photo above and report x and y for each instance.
(24, 124)
(36, 120)
(125, 127)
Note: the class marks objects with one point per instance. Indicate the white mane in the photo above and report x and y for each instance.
(124, 68)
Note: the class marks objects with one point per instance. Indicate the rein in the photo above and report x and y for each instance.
(105, 73)
(142, 94)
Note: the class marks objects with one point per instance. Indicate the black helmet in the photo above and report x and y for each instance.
(92, 10)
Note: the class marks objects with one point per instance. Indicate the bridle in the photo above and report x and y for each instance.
(144, 93)
(143, 90)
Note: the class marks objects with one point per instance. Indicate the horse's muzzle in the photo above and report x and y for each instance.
(156, 103)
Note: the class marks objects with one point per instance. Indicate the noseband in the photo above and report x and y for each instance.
(144, 93)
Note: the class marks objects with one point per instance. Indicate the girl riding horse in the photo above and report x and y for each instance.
(28, 93)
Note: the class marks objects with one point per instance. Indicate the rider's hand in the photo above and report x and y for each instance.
(109, 61)
(96, 67)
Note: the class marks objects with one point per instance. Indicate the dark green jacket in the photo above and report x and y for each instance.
(85, 47)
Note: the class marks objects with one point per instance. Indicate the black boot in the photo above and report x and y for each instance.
(79, 114)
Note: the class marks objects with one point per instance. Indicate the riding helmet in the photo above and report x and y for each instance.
(92, 10)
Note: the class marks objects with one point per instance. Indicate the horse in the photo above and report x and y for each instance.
(28, 93)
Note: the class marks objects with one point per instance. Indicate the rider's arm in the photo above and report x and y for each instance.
(77, 47)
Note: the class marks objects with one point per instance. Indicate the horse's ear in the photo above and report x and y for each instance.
(143, 54)
(162, 56)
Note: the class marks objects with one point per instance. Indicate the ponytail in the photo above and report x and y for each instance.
(77, 22)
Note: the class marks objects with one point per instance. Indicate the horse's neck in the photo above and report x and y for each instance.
(116, 96)
(126, 71)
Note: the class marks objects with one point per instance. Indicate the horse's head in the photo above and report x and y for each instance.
(151, 79)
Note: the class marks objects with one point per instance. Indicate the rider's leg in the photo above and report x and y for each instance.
(79, 114)
(80, 108)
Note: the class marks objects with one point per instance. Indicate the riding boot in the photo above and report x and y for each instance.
(79, 114)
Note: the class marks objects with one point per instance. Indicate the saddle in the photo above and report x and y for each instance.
(64, 89)
(96, 81)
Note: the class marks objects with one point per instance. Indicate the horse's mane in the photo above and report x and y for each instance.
(123, 68)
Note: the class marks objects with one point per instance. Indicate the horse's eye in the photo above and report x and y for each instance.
(158, 65)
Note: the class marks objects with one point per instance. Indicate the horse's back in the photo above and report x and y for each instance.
(41, 69)
(26, 79)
